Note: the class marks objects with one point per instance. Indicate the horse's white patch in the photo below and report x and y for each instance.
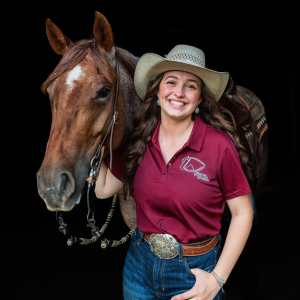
(74, 74)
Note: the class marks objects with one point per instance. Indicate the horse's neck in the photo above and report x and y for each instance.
(127, 106)
(131, 103)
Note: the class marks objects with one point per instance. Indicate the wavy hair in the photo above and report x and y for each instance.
(148, 118)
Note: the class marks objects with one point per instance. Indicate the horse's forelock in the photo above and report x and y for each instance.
(75, 54)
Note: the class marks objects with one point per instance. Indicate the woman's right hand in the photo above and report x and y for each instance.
(205, 288)
(107, 184)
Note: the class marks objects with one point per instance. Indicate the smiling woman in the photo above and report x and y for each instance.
(184, 159)
(179, 94)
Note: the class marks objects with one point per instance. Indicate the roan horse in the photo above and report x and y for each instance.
(81, 91)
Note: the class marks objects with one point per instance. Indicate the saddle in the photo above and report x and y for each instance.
(247, 114)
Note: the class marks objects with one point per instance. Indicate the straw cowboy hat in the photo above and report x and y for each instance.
(180, 58)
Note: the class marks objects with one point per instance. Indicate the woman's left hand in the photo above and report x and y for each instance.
(205, 288)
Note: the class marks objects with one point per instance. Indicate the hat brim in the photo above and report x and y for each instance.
(150, 65)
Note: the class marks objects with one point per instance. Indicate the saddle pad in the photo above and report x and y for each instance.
(256, 107)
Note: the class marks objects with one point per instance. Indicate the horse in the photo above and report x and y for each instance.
(81, 91)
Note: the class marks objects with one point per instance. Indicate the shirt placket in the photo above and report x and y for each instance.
(168, 165)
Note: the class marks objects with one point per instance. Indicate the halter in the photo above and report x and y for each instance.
(95, 165)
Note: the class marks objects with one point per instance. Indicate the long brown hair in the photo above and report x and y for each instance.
(148, 118)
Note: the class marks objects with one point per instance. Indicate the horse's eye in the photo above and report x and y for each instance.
(103, 93)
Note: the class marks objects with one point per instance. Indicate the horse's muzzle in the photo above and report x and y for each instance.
(57, 189)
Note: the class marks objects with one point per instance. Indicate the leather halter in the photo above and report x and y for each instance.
(95, 165)
(96, 160)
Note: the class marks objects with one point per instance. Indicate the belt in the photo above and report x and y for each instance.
(190, 249)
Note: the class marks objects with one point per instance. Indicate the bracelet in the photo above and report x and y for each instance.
(219, 280)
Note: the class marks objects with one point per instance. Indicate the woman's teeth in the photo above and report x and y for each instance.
(177, 103)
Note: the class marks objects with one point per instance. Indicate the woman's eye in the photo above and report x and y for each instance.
(171, 82)
(191, 87)
(103, 93)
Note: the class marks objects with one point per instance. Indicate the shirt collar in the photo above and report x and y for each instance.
(196, 138)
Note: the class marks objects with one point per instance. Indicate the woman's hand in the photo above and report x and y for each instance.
(205, 288)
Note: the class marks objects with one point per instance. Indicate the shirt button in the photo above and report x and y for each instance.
(165, 172)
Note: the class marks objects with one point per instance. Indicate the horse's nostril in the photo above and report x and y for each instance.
(67, 185)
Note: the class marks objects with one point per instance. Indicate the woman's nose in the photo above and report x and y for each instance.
(179, 92)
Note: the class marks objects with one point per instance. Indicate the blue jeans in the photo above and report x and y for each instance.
(147, 277)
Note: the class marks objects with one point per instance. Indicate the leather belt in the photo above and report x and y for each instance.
(194, 249)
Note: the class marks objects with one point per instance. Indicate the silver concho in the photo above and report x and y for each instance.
(163, 245)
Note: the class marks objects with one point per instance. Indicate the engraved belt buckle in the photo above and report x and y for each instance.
(164, 246)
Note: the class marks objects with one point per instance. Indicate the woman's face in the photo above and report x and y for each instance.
(179, 94)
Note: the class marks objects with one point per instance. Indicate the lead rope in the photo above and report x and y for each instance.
(93, 176)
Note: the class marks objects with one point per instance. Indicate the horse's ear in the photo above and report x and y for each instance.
(58, 41)
(103, 33)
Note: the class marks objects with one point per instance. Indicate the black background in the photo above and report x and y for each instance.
(257, 42)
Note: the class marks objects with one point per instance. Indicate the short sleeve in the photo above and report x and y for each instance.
(232, 179)
(118, 162)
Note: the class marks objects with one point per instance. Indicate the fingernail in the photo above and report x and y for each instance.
(229, 96)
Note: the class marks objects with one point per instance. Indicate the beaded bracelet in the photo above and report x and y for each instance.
(219, 280)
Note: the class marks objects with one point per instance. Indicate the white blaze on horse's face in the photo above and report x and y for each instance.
(73, 75)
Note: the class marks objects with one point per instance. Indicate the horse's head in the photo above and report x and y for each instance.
(81, 91)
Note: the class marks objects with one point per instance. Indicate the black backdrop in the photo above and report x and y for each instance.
(257, 44)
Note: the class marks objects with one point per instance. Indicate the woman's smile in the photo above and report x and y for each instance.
(177, 104)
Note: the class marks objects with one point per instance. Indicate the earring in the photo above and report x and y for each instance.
(158, 103)
(197, 110)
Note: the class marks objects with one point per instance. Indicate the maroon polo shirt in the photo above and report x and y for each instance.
(186, 196)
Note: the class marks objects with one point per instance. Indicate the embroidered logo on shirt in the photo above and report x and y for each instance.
(191, 164)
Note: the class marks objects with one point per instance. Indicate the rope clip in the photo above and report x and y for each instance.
(115, 117)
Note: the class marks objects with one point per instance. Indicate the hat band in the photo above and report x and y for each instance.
(187, 58)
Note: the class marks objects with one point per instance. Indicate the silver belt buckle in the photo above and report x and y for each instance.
(164, 246)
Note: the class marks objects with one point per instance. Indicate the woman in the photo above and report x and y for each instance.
(183, 161)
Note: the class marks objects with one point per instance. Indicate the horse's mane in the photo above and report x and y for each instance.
(78, 51)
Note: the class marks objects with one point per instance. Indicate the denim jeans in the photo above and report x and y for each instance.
(147, 277)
